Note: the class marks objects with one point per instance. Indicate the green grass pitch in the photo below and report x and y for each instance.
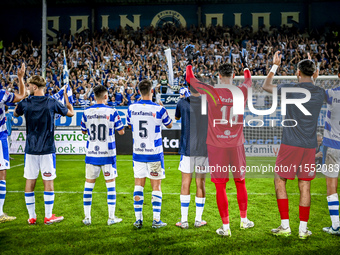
(72, 237)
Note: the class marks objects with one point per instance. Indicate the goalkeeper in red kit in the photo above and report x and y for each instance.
(225, 140)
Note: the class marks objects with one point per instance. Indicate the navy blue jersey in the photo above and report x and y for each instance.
(194, 127)
(39, 113)
(304, 134)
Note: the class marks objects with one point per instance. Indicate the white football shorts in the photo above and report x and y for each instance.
(44, 163)
(197, 164)
(151, 170)
(93, 171)
(4, 155)
(331, 167)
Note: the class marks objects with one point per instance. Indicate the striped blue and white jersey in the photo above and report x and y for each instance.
(100, 122)
(332, 122)
(5, 97)
(146, 118)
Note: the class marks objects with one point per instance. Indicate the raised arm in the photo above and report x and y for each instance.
(246, 72)
(22, 90)
(267, 85)
(69, 106)
(201, 87)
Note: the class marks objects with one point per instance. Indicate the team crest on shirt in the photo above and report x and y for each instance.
(47, 174)
(107, 173)
(154, 173)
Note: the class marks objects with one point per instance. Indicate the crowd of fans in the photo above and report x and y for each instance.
(119, 59)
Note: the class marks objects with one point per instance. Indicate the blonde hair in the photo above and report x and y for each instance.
(37, 80)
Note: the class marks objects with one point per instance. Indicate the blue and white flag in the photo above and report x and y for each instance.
(184, 92)
(170, 70)
(60, 95)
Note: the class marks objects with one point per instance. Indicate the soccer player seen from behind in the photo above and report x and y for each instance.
(225, 141)
(40, 150)
(194, 155)
(297, 150)
(331, 152)
(145, 119)
(7, 97)
(100, 122)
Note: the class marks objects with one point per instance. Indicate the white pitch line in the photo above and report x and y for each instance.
(131, 193)
(18, 165)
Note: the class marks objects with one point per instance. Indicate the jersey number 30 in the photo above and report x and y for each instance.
(98, 132)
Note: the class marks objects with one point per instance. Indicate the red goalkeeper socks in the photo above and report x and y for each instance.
(222, 202)
(242, 196)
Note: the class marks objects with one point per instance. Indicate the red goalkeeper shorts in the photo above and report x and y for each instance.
(295, 161)
(225, 160)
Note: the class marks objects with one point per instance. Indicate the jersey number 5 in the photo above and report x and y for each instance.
(143, 132)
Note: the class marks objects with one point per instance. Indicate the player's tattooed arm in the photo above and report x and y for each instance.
(267, 85)
(22, 90)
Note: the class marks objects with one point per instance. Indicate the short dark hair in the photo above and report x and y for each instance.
(226, 70)
(192, 89)
(99, 91)
(307, 67)
(145, 87)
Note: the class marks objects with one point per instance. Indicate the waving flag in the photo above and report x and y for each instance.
(60, 95)
(170, 70)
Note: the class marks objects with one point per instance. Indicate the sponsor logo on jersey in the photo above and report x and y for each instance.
(226, 100)
(227, 132)
(142, 113)
(96, 148)
(143, 145)
(96, 116)
(47, 174)
(336, 100)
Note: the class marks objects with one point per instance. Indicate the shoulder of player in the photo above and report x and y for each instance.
(97, 106)
(3, 92)
(337, 90)
(292, 84)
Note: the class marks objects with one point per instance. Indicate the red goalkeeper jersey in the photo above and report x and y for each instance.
(224, 129)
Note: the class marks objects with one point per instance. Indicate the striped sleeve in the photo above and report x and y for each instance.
(6, 97)
(128, 118)
(83, 122)
(115, 118)
(166, 120)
